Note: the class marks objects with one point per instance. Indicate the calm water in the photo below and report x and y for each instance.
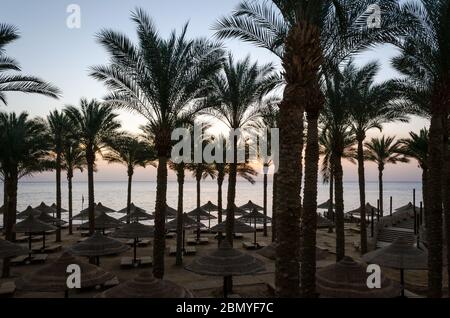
(113, 194)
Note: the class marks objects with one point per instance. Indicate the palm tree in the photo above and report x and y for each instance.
(163, 80)
(24, 150)
(96, 125)
(382, 151)
(59, 124)
(337, 131)
(416, 147)
(73, 158)
(371, 105)
(424, 62)
(130, 152)
(235, 94)
(18, 82)
(302, 33)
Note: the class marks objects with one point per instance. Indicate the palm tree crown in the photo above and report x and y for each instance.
(384, 150)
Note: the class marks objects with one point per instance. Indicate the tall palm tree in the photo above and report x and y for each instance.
(234, 98)
(18, 82)
(130, 152)
(96, 125)
(425, 63)
(73, 158)
(59, 124)
(302, 33)
(337, 130)
(371, 105)
(24, 150)
(416, 147)
(163, 80)
(383, 151)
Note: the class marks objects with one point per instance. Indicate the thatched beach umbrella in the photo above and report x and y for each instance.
(270, 252)
(99, 208)
(239, 227)
(27, 212)
(3, 210)
(325, 205)
(45, 208)
(254, 217)
(226, 262)
(137, 215)
(133, 208)
(368, 208)
(348, 279)
(201, 214)
(9, 249)
(399, 255)
(102, 222)
(188, 223)
(209, 206)
(98, 245)
(237, 211)
(53, 277)
(84, 215)
(170, 212)
(47, 218)
(31, 225)
(407, 208)
(53, 206)
(135, 231)
(146, 286)
(250, 206)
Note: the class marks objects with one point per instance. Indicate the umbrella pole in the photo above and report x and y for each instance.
(43, 240)
(134, 250)
(402, 282)
(209, 219)
(184, 239)
(254, 234)
(371, 224)
(29, 245)
(390, 206)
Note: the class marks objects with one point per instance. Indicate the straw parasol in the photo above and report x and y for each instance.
(239, 227)
(201, 214)
(368, 207)
(407, 208)
(99, 208)
(47, 218)
(45, 208)
(255, 217)
(325, 205)
(9, 249)
(226, 262)
(102, 222)
(133, 208)
(399, 255)
(31, 225)
(171, 213)
(27, 212)
(348, 279)
(98, 245)
(3, 210)
(188, 223)
(250, 206)
(137, 215)
(135, 231)
(146, 286)
(53, 206)
(84, 215)
(270, 252)
(209, 206)
(53, 277)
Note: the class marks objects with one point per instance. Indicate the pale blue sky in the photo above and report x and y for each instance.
(49, 49)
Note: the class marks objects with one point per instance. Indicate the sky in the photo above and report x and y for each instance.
(48, 48)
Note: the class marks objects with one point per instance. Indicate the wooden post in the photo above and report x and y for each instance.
(390, 206)
(378, 209)
(414, 210)
(371, 223)
(421, 213)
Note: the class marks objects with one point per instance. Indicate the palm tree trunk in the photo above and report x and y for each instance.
(425, 193)
(90, 159)
(339, 197)
(330, 206)
(58, 194)
(309, 213)
(69, 181)
(362, 195)
(265, 201)
(5, 201)
(10, 211)
(380, 188)
(220, 178)
(231, 194)
(160, 238)
(288, 204)
(434, 210)
(274, 207)
(130, 180)
(446, 192)
(180, 180)
(198, 179)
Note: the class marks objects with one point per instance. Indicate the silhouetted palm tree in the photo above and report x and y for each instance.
(96, 125)
(17, 82)
(304, 34)
(424, 60)
(234, 99)
(371, 105)
(162, 80)
(73, 158)
(24, 150)
(383, 151)
(59, 124)
(130, 152)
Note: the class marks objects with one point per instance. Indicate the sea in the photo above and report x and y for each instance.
(114, 194)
